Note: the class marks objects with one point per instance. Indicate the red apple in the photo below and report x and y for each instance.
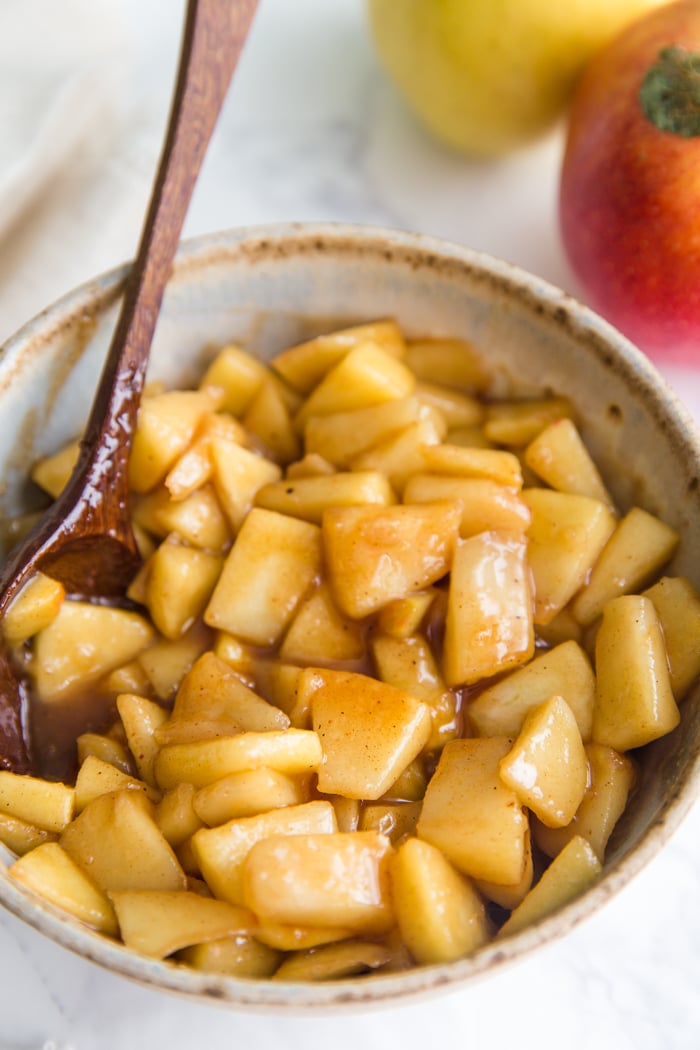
(630, 183)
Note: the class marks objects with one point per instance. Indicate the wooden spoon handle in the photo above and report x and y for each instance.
(214, 34)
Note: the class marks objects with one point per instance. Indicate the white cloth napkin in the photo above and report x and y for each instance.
(58, 71)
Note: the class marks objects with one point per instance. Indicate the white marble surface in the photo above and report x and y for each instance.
(311, 130)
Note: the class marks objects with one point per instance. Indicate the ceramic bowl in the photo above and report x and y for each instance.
(268, 288)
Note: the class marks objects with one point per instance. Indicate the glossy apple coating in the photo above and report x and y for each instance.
(630, 189)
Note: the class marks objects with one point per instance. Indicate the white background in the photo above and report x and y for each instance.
(311, 130)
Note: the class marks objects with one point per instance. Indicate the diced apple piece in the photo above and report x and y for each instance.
(400, 455)
(83, 643)
(246, 794)
(303, 366)
(634, 700)
(49, 871)
(46, 803)
(319, 632)
(510, 896)
(117, 841)
(488, 628)
(194, 730)
(221, 425)
(440, 915)
(191, 471)
(269, 418)
(167, 662)
(485, 504)
(129, 678)
(404, 616)
(146, 510)
(366, 375)
(202, 762)
(221, 851)
(20, 836)
(559, 456)
(298, 938)
(564, 671)
(677, 605)
(279, 682)
(53, 472)
(410, 785)
(270, 568)
(369, 731)
(375, 554)
(347, 812)
(308, 498)
(611, 779)
(547, 766)
(334, 962)
(198, 519)
(337, 879)
(236, 956)
(97, 777)
(158, 923)
(409, 664)
(238, 474)
(565, 538)
(138, 585)
(240, 656)
(176, 816)
(34, 608)
(145, 544)
(290, 397)
(107, 748)
(188, 862)
(180, 582)
(396, 820)
(456, 408)
(471, 815)
(571, 872)
(310, 466)
(449, 361)
(638, 548)
(212, 689)
(343, 435)
(490, 464)
(517, 423)
(166, 426)
(141, 718)
(239, 374)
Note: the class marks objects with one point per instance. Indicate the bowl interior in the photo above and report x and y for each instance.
(272, 287)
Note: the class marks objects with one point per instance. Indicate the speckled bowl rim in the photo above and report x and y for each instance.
(539, 296)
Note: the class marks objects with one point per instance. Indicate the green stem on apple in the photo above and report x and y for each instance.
(670, 92)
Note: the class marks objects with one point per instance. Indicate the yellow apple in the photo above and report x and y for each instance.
(488, 75)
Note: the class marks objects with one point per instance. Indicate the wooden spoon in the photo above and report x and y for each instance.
(85, 538)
